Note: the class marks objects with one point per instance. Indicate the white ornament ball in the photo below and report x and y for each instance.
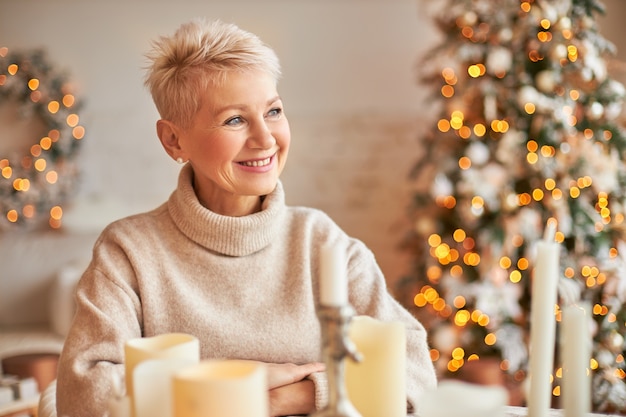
(545, 81)
(558, 52)
(595, 111)
(499, 60)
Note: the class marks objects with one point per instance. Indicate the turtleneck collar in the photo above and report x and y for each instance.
(232, 236)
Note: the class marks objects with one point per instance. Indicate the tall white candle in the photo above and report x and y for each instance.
(333, 276)
(152, 390)
(576, 354)
(543, 324)
(163, 346)
(119, 404)
(221, 388)
(377, 385)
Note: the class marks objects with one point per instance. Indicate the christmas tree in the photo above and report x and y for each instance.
(528, 131)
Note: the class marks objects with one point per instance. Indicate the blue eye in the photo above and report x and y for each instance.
(234, 121)
(275, 112)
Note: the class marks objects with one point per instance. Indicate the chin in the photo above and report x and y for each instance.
(264, 187)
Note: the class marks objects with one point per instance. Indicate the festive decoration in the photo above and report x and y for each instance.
(39, 176)
(529, 130)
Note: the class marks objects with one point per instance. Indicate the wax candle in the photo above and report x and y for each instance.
(152, 390)
(543, 324)
(164, 346)
(576, 354)
(457, 398)
(221, 388)
(119, 404)
(119, 407)
(376, 386)
(333, 276)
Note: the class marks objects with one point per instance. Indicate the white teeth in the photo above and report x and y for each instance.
(260, 163)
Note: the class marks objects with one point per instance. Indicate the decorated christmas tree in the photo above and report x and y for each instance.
(528, 130)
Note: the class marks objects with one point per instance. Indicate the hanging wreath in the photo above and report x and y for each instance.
(40, 136)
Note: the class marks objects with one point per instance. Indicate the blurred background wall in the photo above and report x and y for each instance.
(349, 86)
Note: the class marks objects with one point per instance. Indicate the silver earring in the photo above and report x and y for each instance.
(179, 160)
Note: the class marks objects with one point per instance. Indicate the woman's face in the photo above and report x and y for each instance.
(237, 143)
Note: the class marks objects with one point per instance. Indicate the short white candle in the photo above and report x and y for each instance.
(333, 276)
(453, 398)
(221, 388)
(575, 350)
(543, 324)
(377, 385)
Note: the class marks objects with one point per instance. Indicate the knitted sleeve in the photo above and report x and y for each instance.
(321, 389)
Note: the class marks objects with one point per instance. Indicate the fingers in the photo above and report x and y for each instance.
(280, 374)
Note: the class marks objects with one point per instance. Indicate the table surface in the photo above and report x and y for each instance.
(510, 411)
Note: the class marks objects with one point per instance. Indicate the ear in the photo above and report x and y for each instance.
(168, 134)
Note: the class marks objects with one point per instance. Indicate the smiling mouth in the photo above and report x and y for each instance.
(258, 163)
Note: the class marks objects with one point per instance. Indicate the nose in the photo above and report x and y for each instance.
(261, 136)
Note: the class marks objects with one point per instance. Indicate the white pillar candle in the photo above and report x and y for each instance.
(377, 385)
(543, 324)
(333, 276)
(457, 398)
(152, 389)
(221, 388)
(119, 404)
(576, 354)
(119, 407)
(163, 346)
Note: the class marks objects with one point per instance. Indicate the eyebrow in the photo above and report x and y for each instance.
(243, 106)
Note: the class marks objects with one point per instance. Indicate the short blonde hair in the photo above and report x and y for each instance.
(201, 52)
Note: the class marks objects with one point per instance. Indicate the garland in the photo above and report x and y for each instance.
(38, 176)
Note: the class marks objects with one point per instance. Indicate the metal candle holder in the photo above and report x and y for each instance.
(336, 345)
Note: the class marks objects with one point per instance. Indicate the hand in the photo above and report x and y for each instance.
(289, 392)
(293, 400)
(281, 374)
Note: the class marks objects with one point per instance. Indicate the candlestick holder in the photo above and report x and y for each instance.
(336, 346)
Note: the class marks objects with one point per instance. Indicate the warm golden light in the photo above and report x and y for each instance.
(443, 125)
(447, 91)
(465, 162)
(523, 264)
(40, 164)
(33, 84)
(68, 100)
(28, 211)
(12, 216)
(56, 212)
(480, 130)
(78, 132)
(72, 120)
(45, 143)
(53, 106)
(52, 177)
(7, 172)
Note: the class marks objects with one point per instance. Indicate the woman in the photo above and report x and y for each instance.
(224, 259)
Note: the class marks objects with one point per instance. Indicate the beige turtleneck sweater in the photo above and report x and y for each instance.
(246, 287)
